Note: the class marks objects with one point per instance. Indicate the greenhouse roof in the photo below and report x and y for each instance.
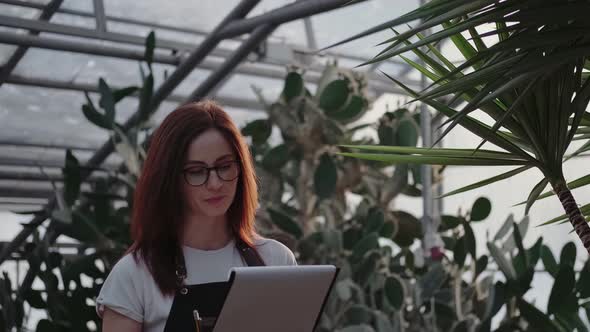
(52, 52)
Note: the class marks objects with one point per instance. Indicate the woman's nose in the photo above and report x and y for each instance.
(214, 182)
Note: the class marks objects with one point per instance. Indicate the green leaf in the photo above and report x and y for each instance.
(93, 115)
(584, 209)
(375, 220)
(534, 253)
(334, 96)
(407, 133)
(275, 158)
(352, 111)
(45, 325)
(72, 178)
(146, 92)
(439, 152)
(54, 259)
(549, 261)
(485, 182)
(387, 230)
(481, 209)
(357, 328)
(365, 270)
(285, 223)
(459, 251)
(583, 286)
(450, 222)
(534, 195)
(562, 287)
(481, 264)
(325, 177)
(408, 228)
(63, 216)
(470, 240)
(351, 236)
(502, 262)
(412, 191)
(127, 150)
(344, 289)
(107, 100)
(33, 297)
(579, 182)
(386, 134)
(358, 314)
(420, 13)
(568, 255)
(523, 227)
(475, 126)
(293, 86)
(538, 320)
(520, 262)
(259, 130)
(367, 243)
(432, 281)
(432, 160)
(120, 94)
(150, 44)
(382, 322)
(394, 292)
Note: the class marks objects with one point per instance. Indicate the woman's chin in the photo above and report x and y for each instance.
(214, 211)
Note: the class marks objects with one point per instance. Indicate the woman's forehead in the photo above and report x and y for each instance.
(209, 147)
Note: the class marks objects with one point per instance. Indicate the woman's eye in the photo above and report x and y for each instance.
(196, 172)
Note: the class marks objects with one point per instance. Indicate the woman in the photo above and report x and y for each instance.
(193, 220)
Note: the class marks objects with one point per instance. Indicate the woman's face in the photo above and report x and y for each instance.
(210, 176)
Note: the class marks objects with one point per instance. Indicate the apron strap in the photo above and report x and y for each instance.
(249, 254)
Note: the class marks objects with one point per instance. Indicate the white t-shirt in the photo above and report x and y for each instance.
(131, 290)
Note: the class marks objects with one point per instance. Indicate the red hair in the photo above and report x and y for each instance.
(156, 220)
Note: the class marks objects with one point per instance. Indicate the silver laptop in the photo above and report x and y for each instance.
(276, 298)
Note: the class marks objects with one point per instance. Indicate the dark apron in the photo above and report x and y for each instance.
(206, 299)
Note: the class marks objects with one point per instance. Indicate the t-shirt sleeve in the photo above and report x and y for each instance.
(122, 291)
(275, 253)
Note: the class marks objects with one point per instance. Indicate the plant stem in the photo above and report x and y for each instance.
(573, 211)
(457, 288)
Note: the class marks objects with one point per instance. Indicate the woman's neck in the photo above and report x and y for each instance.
(206, 233)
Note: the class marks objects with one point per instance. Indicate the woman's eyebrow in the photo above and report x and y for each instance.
(190, 162)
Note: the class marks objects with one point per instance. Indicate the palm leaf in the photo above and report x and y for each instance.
(488, 181)
(577, 183)
(539, 187)
(473, 125)
(432, 160)
(585, 210)
(441, 152)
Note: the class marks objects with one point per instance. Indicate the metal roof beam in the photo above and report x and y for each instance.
(46, 14)
(288, 13)
(250, 104)
(100, 16)
(117, 19)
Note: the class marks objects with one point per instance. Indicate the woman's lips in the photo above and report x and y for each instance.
(215, 200)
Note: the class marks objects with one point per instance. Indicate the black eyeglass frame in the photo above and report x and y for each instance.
(208, 170)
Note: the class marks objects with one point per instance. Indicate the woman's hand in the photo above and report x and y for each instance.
(113, 321)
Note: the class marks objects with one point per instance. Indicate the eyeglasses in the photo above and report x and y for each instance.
(226, 171)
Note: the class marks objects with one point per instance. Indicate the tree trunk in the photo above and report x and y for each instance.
(574, 214)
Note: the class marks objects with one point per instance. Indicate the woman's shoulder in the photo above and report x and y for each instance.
(131, 265)
(274, 252)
